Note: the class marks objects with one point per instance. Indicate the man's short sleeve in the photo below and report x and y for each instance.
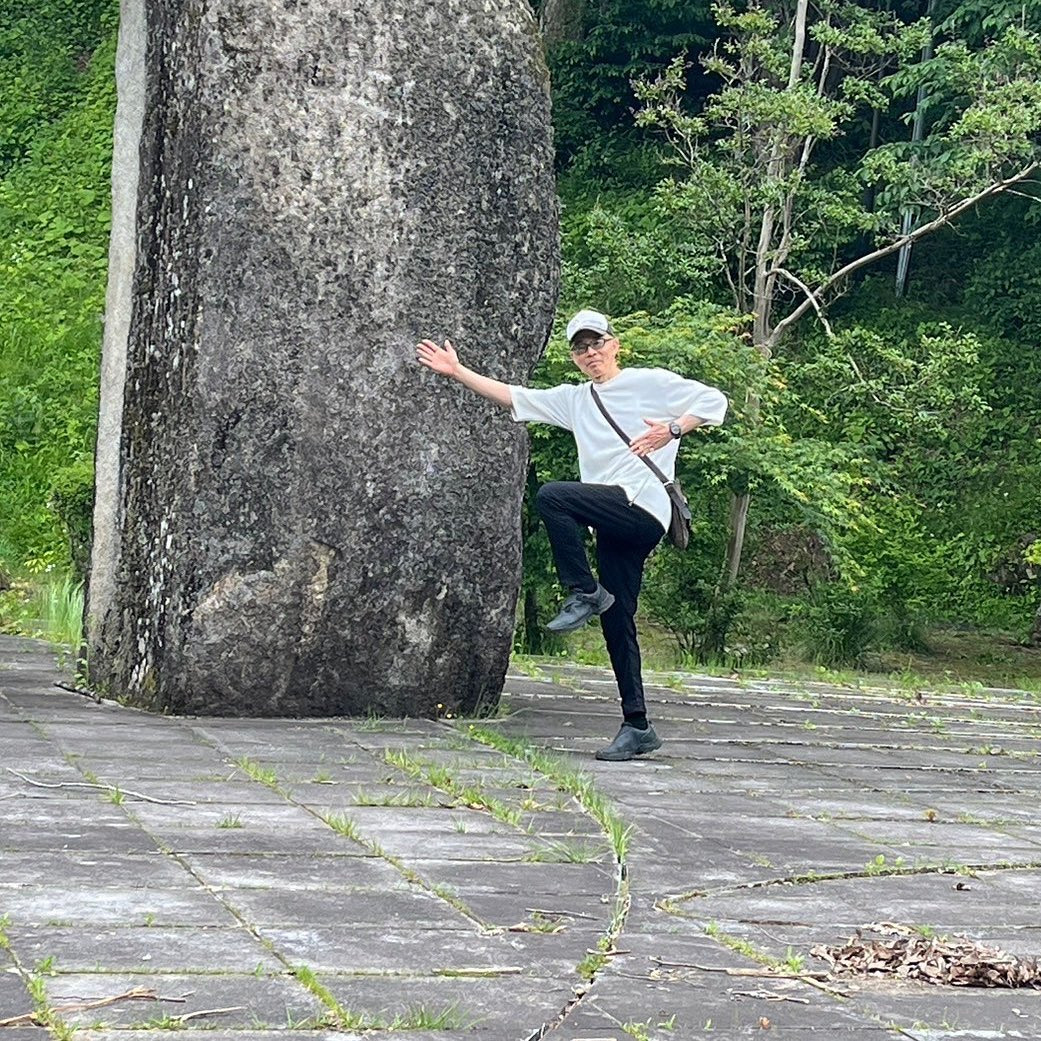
(685, 397)
(543, 406)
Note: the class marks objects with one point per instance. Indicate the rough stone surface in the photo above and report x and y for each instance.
(776, 817)
(296, 519)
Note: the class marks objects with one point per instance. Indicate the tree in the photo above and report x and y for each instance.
(772, 170)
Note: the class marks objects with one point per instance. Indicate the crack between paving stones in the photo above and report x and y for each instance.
(667, 905)
(606, 947)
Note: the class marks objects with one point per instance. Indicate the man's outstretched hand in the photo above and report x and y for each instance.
(442, 360)
(445, 361)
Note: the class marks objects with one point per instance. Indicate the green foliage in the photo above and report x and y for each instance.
(53, 249)
(45, 49)
(839, 624)
(72, 502)
(592, 72)
(754, 190)
(617, 252)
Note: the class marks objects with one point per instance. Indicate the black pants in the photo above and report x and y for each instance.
(625, 536)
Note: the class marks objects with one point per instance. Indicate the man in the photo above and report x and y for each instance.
(618, 496)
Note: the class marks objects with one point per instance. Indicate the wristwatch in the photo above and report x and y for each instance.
(676, 430)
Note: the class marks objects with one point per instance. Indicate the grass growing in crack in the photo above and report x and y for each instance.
(345, 826)
(565, 853)
(163, 1022)
(5, 942)
(440, 777)
(880, 866)
(409, 798)
(230, 820)
(342, 825)
(640, 1031)
(341, 1016)
(580, 786)
(256, 772)
(742, 947)
(418, 1017)
(544, 923)
(43, 1015)
(594, 960)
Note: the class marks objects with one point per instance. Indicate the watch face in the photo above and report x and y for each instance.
(675, 429)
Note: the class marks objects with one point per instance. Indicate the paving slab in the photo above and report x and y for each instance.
(253, 865)
(139, 948)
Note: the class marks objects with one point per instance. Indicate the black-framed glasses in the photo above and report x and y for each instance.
(589, 345)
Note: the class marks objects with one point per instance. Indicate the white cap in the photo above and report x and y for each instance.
(591, 321)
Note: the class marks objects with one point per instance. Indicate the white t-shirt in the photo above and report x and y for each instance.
(631, 397)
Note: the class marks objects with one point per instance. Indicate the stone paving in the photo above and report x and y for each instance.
(332, 877)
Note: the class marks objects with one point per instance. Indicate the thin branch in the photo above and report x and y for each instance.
(810, 296)
(884, 251)
(766, 995)
(37, 1017)
(765, 973)
(102, 788)
(565, 914)
(208, 1012)
(730, 279)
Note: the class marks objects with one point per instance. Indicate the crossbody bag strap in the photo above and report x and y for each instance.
(625, 437)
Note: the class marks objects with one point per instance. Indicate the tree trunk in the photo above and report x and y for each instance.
(293, 517)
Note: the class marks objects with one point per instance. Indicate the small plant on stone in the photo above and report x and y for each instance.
(794, 963)
(164, 1022)
(638, 1030)
(422, 1018)
(618, 834)
(565, 853)
(591, 964)
(342, 825)
(230, 820)
(257, 772)
(880, 866)
(406, 798)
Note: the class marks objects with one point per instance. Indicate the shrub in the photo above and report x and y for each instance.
(839, 624)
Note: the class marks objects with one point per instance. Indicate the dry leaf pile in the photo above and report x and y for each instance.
(955, 961)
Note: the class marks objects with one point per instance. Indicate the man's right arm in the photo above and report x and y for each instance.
(445, 361)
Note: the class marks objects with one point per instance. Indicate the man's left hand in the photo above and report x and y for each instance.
(651, 440)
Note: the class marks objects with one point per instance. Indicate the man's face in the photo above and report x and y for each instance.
(594, 354)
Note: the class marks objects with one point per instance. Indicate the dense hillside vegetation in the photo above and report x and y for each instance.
(885, 453)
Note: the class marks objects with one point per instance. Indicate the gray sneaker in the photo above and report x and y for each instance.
(629, 743)
(579, 608)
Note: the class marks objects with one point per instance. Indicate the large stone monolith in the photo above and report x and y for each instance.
(293, 517)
